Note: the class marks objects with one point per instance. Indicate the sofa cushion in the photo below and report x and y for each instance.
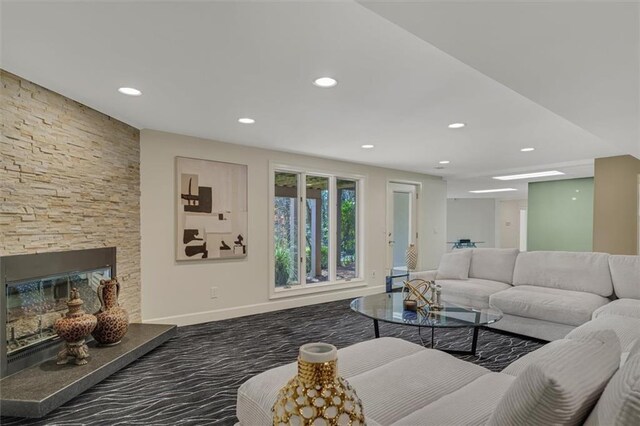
(454, 265)
(556, 348)
(627, 330)
(470, 405)
(472, 292)
(635, 349)
(429, 275)
(493, 264)
(550, 349)
(538, 329)
(622, 307)
(625, 274)
(561, 386)
(620, 401)
(390, 392)
(565, 270)
(257, 395)
(549, 304)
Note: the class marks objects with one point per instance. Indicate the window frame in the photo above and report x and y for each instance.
(332, 284)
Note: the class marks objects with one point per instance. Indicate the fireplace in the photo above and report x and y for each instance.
(35, 288)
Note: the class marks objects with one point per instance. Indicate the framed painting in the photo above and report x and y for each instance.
(211, 205)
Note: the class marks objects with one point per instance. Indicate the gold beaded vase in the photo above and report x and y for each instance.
(317, 395)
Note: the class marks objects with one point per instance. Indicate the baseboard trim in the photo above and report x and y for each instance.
(260, 308)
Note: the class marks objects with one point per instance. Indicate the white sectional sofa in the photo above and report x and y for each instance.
(542, 294)
(401, 383)
(590, 376)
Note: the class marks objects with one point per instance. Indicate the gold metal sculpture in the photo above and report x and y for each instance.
(415, 294)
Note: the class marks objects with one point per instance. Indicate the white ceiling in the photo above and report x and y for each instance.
(405, 71)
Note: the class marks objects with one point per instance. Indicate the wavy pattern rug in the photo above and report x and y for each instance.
(193, 378)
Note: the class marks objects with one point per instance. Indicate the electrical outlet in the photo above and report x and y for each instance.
(214, 292)
(373, 275)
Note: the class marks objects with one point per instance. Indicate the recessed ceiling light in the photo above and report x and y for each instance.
(484, 191)
(529, 175)
(444, 162)
(574, 198)
(130, 91)
(527, 149)
(368, 146)
(246, 120)
(325, 82)
(456, 125)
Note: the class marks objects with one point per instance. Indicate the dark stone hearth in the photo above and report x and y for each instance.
(38, 390)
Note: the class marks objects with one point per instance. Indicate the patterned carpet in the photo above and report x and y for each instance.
(193, 378)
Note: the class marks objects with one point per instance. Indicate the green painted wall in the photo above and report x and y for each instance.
(560, 215)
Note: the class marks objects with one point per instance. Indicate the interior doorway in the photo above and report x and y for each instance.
(523, 230)
(402, 224)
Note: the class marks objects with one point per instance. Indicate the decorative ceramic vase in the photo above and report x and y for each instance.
(73, 329)
(113, 321)
(412, 257)
(317, 395)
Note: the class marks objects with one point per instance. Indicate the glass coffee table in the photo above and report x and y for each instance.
(388, 307)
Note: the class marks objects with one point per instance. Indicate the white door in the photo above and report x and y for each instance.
(402, 221)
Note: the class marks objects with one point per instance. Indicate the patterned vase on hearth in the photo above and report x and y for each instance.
(113, 321)
(412, 257)
(317, 395)
(73, 328)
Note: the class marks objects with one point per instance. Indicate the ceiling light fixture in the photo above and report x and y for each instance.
(444, 162)
(527, 149)
(325, 82)
(129, 91)
(246, 120)
(485, 191)
(367, 146)
(530, 175)
(456, 125)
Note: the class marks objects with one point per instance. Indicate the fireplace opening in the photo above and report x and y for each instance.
(35, 291)
(33, 306)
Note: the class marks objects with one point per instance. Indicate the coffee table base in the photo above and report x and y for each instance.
(474, 342)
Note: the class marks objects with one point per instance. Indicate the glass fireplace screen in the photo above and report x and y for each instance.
(34, 305)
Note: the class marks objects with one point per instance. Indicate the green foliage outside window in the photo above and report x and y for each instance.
(283, 264)
(347, 228)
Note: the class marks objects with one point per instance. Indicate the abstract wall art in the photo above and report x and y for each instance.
(211, 209)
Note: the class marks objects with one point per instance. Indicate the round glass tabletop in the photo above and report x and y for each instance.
(388, 307)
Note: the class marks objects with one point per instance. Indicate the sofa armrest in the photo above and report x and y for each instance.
(424, 275)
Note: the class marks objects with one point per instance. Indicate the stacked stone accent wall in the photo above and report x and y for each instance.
(69, 179)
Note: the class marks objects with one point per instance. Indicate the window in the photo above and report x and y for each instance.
(286, 229)
(315, 229)
(346, 230)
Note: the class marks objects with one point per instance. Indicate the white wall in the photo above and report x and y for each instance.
(508, 222)
(179, 292)
(472, 218)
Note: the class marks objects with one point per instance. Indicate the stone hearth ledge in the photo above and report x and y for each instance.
(36, 391)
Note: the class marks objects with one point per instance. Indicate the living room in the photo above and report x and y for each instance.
(259, 175)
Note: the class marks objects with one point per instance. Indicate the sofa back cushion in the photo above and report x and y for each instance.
(493, 264)
(620, 401)
(454, 265)
(563, 385)
(565, 270)
(625, 274)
